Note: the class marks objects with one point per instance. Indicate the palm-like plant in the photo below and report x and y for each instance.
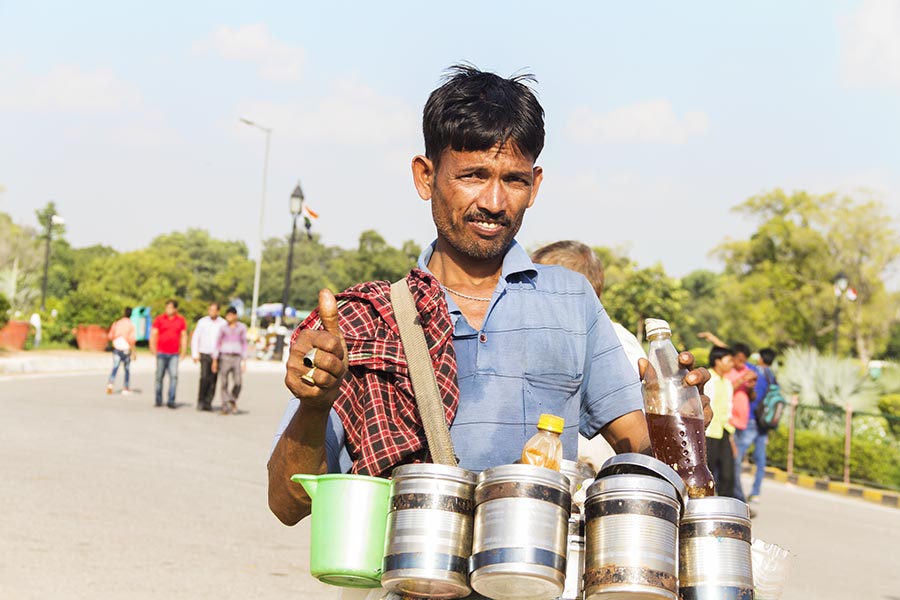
(829, 383)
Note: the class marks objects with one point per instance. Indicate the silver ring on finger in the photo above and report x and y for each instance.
(308, 377)
(309, 359)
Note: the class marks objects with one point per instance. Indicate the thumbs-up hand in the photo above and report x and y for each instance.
(318, 359)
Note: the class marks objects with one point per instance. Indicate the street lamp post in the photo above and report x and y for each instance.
(296, 209)
(54, 219)
(840, 286)
(262, 212)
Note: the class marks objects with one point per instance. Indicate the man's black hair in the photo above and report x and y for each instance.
(474, 110)
(768, 356)
(173, 302)
(718, 353)
(741, 348)
(127, 312)
(231, 311)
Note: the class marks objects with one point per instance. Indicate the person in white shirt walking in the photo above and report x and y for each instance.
(203, 345)
(230, 358)
(122, 334)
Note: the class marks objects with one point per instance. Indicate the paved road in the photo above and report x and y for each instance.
(106, 497)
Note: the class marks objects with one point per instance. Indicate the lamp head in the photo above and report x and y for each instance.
(297, 200)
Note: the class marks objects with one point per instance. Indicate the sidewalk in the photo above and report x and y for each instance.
(883, 497)
(34, 362)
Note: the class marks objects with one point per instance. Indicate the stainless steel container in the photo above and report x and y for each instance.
(519, 544)
(715, 556)
(429, 531)
(631, 539)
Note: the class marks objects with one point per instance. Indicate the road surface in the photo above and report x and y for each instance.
(106, 497)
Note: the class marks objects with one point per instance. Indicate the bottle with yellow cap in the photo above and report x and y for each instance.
(544, 449)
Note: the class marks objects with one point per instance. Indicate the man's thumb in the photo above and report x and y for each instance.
(328, 312)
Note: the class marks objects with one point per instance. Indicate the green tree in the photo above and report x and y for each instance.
(21, 261)
(646, 293)
(780, 280)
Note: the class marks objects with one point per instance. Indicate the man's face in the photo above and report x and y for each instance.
(724, 364)
(213, 312)
(170, 309)
(740, 359)
(231, 318)
(478, 199)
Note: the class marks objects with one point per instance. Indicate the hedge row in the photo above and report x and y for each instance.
(870, 462)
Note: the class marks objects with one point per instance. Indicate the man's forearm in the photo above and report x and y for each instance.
(301, 449)
(628, 433)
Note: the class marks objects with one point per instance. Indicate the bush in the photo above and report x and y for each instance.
(821, 454)
(4, 311)
(701, 356)
(889, 405)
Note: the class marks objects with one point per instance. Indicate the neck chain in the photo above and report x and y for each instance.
(466, 296)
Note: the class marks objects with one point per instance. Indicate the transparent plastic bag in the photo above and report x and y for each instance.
(771, 567)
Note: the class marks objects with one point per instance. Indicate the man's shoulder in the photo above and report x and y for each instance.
(555, 278)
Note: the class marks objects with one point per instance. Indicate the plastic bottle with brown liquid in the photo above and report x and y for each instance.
(674, 413)
(544, 449)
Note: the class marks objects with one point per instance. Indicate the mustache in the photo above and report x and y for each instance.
(488, 217)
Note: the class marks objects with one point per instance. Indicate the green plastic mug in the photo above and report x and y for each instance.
(349, 525)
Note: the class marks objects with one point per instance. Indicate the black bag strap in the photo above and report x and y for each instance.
(421, 371)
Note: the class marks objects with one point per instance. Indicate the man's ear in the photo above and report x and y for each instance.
(423, 176)
(536, 184)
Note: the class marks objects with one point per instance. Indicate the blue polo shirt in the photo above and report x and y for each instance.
(546, 346)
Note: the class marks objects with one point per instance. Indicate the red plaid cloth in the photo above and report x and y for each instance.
(377, 406)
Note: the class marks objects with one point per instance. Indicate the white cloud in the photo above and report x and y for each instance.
(275, 60)
(66, 88)
(870, 53)
(648, 122)
(353, 114)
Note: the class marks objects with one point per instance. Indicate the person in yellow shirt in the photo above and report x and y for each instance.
(720, 447)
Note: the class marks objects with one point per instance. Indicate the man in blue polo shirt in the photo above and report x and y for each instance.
(508, 339)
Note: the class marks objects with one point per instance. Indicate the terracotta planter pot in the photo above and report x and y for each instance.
(13, 336)
(91, 337)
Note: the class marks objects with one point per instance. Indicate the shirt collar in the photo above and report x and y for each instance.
(515, 261)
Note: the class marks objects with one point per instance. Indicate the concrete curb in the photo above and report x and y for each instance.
(883, 497)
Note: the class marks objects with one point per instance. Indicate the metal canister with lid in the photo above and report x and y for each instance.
(631, 538)
(429, 531)
(519, 542)
(715, 550)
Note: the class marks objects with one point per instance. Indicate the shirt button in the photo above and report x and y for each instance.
(482, 338)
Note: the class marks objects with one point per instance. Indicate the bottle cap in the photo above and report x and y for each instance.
(652, 326)
(551, 423)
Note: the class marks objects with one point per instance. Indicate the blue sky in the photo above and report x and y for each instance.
(661, 116)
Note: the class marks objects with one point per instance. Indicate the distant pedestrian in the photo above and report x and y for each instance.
(203, 345)
(720, 446)
(756, 435)
(168, 342)
(230, 359)
(122, 334)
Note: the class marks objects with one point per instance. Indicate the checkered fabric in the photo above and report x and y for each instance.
(376, 405)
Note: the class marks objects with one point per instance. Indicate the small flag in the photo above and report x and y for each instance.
(309, 214)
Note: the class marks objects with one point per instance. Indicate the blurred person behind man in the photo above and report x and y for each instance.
(580, 258)
(720, 445)
(203, 345)
(168, 342)
(230, 359)
(123, 336)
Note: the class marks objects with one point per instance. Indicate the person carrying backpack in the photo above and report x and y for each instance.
(758, 425)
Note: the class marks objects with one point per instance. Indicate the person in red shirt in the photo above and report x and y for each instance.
(168, 341)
